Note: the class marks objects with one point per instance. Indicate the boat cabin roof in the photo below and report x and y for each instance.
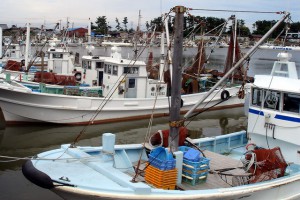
(277, 83)
(283, 67)
(283, 76)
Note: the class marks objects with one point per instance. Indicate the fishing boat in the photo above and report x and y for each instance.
(126, 92)
(279, 47)
(269, 168)
(120, 90)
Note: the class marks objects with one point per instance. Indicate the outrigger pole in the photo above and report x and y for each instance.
(245, 57)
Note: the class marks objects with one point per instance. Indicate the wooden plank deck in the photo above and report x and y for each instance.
(217, 161)
(214, 180)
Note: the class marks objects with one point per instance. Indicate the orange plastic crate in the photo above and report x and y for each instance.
(165, 179)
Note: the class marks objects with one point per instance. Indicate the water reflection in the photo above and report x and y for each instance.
(30, 140)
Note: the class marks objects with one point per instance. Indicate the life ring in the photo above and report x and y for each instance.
(225, 95)
(77, 76)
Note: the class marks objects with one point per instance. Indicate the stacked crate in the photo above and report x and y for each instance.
(161, 171)
(195, 167)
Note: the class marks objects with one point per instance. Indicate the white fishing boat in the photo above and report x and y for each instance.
(270, 168)
(120, 90)
(133, 98)
(279, 47)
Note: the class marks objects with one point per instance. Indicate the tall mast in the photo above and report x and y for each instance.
(27, 47)
(175, 121)
(162, 56)
(1, 54)
(89, 31)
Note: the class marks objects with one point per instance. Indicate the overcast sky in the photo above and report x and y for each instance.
(18, 12)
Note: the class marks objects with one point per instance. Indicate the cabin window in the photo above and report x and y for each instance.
(109, 69)
(272, 100)
(115, 70)
(131, 70)
(99, 65)
(86, 64)
(57, 55)
(291, 102)
(131, 83)
(105, 68)
(281, 70)
(256, 97)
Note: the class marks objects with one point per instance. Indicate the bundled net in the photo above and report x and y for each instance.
(265, 164)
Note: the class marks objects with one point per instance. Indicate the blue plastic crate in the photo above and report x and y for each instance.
(195, 180)
(195, 170)
(195, 176)
(162, 164)
(200, 165)
(190, 153)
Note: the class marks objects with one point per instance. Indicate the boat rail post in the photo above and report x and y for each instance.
(108, 145)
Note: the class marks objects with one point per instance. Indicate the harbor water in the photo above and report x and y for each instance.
(24, 141)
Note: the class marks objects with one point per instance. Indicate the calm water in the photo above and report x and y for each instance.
(29, 141)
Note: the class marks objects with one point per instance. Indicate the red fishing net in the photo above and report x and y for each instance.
(266, 164)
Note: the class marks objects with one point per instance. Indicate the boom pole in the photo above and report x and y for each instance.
(245, 57)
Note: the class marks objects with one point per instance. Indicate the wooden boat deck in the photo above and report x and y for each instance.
(214, 180)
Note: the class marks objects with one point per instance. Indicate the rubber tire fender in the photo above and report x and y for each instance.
(225, 95)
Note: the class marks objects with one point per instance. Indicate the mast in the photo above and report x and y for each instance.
(1, 54)
(162, 56)
(136, 36)
(175, 121)
(168, 47)
(89, 31)
(246, 56)
(27, 47)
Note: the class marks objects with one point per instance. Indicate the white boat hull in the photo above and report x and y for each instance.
(105, 176)
(282, 190)
(26, 106)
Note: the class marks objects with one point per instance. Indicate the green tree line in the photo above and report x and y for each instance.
(197, 24)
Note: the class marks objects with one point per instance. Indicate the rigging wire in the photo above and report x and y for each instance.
(238, 11)
(109, 96)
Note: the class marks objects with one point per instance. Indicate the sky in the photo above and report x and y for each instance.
(49, 12)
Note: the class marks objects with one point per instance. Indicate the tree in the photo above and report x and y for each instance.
(125, 22)
(147, 25)
(262, 27)
(212, 22)
(158, 23)
(242, 30)
(118, 27)
(102, 26)
(295, 27)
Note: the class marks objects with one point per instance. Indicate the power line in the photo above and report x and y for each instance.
(243, 11)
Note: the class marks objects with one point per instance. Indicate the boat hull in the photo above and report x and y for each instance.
(95, 182)
(31, 107)
(285, 190)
